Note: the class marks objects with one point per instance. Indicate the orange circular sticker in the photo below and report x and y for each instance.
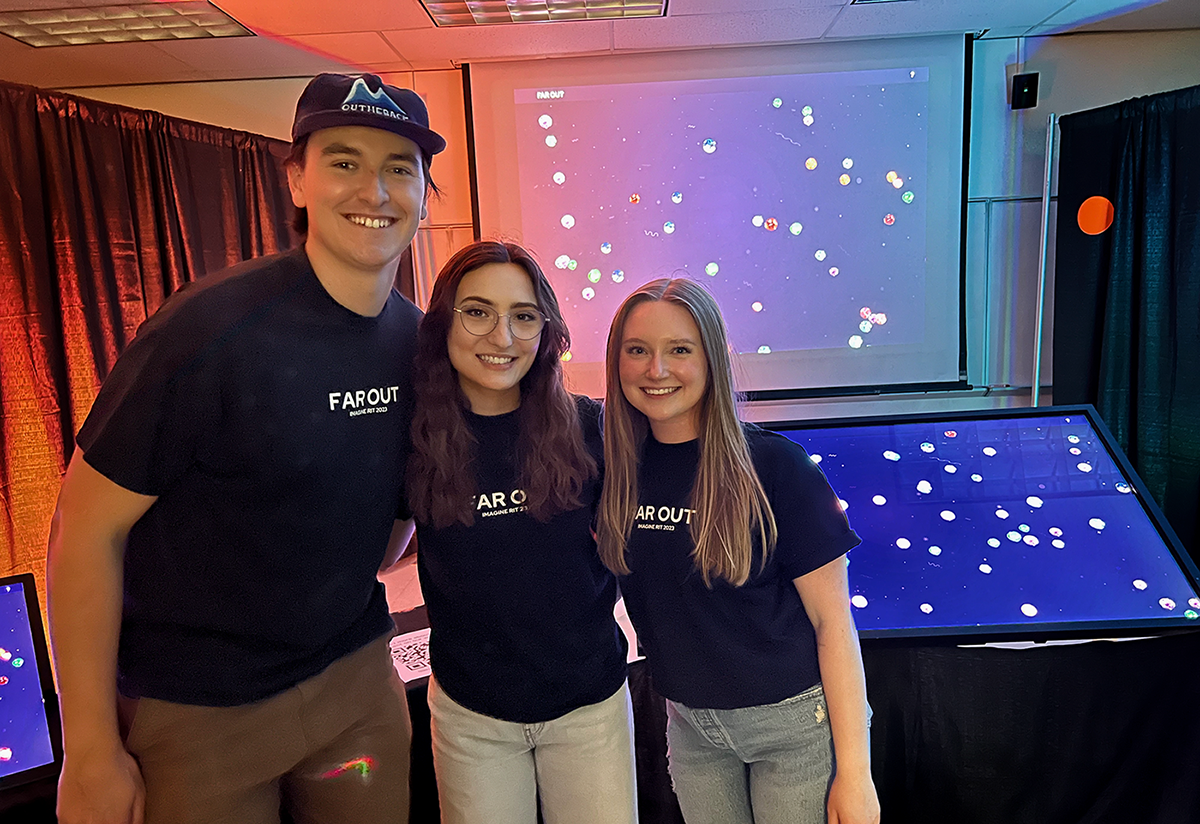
(1095, 215)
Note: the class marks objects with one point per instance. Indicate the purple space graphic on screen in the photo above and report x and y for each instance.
(24, 730)
(817, 184)
(997, 522)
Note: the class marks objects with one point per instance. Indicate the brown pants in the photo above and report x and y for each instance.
(334, 748)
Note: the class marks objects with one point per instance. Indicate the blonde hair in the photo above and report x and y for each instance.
(731, 505)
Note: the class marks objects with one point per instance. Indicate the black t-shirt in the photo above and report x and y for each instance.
(272, 424)
(520, 612)
(729, 647)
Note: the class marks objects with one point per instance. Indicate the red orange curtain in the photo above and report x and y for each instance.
(104, 211)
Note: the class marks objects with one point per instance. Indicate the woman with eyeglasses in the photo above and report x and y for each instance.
(731, 547)
(528, 697)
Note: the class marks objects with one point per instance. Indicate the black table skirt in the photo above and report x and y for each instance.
(1082, 734)
(1096, 733)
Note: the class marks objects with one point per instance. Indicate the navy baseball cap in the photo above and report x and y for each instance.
(331, 100)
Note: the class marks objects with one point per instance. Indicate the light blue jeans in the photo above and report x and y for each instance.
(770, 764)
(581, 765)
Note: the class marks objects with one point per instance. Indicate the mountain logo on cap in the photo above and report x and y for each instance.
(362, 99)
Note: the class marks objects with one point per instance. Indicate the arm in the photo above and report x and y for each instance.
(826, 598)
(100, 781)
(398, 542)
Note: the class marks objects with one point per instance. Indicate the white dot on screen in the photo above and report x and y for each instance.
(859, 601)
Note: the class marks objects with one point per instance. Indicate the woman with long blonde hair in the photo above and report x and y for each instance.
(730, 546)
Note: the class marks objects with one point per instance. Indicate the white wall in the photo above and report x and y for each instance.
(1007, 152)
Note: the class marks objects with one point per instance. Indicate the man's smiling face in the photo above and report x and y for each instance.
(364, 190)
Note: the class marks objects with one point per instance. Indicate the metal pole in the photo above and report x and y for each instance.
(1035, 397)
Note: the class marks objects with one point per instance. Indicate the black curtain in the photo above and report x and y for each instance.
(1095, 733)
(1127, 300)
(104, 211)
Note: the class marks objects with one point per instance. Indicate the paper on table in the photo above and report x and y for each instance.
(410, 655)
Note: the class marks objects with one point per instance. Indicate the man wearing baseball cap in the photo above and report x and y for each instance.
(220, 637)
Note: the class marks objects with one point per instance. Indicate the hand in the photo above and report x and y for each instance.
(101, 788)
(853, 801)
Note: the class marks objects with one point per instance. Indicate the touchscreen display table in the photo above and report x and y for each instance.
(1024, 523)
(29, 736)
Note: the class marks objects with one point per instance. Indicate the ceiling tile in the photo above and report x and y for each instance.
(355, 48)
(99, 65)
(939, 17)
(699, 31)
(293, 17)
(247, 57)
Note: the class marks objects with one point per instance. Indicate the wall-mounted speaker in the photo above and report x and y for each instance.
(1024, 90)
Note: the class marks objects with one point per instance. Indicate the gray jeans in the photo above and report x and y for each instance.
(580, 765)
(768, 764)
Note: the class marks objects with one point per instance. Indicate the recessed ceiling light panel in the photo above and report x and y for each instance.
(177, 20)
(488, 12)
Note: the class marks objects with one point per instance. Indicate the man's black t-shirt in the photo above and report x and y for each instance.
(272, 424)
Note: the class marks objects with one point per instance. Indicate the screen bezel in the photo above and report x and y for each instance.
(41, 651)
(1044, 631)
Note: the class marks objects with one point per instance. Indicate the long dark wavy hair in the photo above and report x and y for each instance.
(441, 472)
